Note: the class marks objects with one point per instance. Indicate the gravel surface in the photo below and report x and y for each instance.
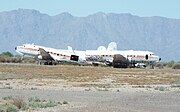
(103, 101)
(93, 89)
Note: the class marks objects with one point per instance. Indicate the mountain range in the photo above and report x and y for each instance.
(157, 34)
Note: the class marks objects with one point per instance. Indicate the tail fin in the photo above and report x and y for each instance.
(101, 48)
(70, 49)
(112, 46)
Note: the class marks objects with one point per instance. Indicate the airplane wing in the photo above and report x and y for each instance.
(45, 55)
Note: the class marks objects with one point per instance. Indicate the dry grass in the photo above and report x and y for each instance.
(91, 74)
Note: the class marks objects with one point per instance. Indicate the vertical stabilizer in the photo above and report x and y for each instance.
(70, 49)
(101, 48)
(112, 46)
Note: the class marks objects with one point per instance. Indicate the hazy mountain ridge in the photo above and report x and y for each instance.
(158, 34)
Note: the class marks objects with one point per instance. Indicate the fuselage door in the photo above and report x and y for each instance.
(74, 58)
(146, 57)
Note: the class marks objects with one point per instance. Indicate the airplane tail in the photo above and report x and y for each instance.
(70, 49)
(112, 46)
(101, 48)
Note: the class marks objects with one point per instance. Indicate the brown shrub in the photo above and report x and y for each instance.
(2, 59)
(19, 102)
(159, 65)
(169, 64)
(176, 66)
(10, 59)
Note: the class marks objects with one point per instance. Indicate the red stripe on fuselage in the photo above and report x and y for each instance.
(57, 54)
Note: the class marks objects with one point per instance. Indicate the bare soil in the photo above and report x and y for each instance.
(89, 88)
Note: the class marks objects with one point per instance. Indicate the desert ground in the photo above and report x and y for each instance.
(93, 89)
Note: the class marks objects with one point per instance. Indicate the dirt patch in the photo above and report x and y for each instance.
(89, 88)
(84, 74)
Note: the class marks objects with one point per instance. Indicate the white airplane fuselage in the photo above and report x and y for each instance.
(56, 54)
(85, 56)
(138, 56)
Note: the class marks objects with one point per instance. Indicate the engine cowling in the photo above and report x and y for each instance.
(120, 61)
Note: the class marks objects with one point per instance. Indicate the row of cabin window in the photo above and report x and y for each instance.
(101, 55)
(55, 54)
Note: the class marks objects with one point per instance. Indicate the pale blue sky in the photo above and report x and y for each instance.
(143, 8)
